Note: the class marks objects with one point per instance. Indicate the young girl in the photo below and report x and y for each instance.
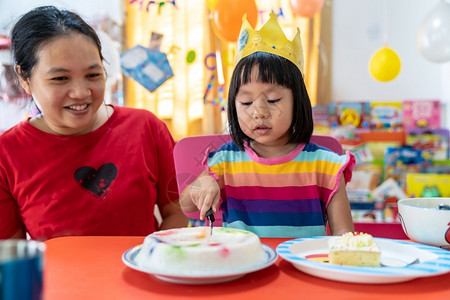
(271, 180)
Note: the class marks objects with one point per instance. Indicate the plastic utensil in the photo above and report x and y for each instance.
(210, 216)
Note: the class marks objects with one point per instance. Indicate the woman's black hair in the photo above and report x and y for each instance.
(41, 26)
(271, 69)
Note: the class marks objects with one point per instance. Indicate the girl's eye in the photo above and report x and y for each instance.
(246, 103)
(273, 101)
(59, 78)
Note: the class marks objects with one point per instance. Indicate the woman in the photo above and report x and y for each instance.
(80, 167)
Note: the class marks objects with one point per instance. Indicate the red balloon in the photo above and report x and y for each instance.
(227, 17)
(306, 8)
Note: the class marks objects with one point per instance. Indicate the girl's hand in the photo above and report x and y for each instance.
(205, 194)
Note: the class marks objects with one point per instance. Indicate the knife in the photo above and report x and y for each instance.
(210, 216)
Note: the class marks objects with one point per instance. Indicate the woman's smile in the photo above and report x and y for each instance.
(78, 109)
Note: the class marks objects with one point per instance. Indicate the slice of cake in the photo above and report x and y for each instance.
(354, 249)
(194, 250)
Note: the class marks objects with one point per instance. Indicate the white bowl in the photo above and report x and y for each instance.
(424, 222)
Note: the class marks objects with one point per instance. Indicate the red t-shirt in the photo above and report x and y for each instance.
(106, 182)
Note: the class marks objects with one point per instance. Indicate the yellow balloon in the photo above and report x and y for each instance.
(211, 4)
(385, 64)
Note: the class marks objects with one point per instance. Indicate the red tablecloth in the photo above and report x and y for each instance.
(85, 268)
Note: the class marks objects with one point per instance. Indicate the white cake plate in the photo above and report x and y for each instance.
(129, 256)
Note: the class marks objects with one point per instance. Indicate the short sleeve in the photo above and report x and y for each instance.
(212, 163)
(349, 166)
(346, 169)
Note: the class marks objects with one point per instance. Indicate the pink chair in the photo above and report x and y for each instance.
(190, 151)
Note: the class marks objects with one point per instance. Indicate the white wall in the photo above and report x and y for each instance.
(359, 29)
(12, 9)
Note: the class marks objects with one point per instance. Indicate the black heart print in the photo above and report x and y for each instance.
(96, 181)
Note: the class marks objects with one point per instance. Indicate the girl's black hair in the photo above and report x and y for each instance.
(41, 26)
(272, 69)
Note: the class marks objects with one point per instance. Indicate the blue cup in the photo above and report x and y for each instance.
(21, 266)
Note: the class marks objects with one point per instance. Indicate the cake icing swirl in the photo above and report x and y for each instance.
(353, 241)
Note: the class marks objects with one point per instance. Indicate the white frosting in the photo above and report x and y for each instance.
(195, 251)
(353, 242)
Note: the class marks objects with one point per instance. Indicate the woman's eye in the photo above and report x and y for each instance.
(246, 103)
(94, 75)
(273, 101)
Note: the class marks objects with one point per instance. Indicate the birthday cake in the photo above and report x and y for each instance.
(354, 249)
(195, 250)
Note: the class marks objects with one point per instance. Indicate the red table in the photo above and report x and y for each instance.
(92, 268)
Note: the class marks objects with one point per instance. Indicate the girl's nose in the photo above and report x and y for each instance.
(261, 112)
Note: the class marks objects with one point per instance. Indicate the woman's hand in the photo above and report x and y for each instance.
(20, 234)
(172, 216)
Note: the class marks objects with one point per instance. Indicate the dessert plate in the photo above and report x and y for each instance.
(129, 256)
(310, 255)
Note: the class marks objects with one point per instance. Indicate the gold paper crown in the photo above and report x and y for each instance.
(271, 39)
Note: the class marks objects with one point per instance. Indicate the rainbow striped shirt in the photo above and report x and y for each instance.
(278, 197)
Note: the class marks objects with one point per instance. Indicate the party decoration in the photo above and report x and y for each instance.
(158, 4)
(208, 91)
(271, 39)
(148, 67)
(155, 41)
(306, 8)
(211, 4)
(433, 37)
(385, 64)
(173, 49)
(211, 67)
(190, 57)
(227, 17)
(228, 57)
